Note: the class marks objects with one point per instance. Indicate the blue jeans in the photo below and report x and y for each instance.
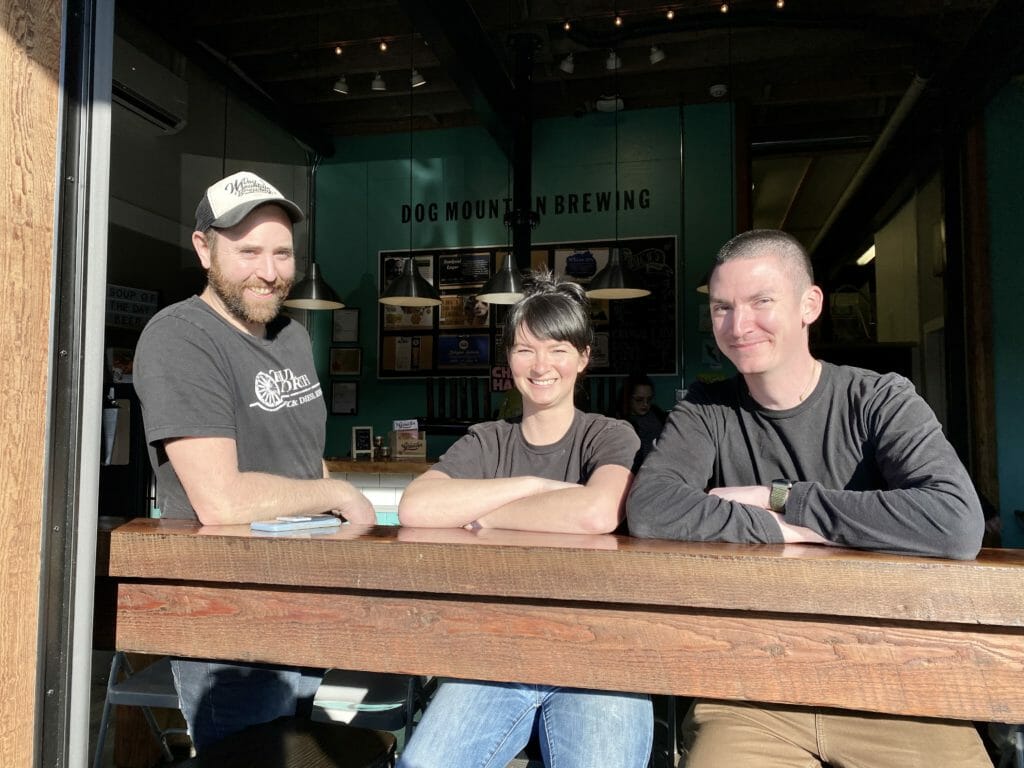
(471, 724)
(218, 698)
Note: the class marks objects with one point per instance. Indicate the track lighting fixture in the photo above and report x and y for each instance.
(341, 86)
(417, 79)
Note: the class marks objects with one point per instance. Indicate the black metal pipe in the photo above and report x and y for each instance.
(522, 218)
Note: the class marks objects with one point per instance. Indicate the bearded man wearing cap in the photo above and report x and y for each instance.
(236, 423)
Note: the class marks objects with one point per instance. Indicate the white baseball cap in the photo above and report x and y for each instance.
(231, 199)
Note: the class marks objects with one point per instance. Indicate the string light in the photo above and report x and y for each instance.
(724, 7)
(670, 14)
(567, 25)
(383, 46)
(780, 4)
(618, 21)
(337, 50)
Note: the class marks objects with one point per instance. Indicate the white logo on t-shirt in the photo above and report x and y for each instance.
(283, 389)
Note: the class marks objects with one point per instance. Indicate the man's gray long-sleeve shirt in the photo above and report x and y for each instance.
(872, 466)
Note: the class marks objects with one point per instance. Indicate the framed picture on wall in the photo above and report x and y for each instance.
(346, 325)
(346, 361)
(344, 398)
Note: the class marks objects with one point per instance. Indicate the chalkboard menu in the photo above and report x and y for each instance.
(463, 335)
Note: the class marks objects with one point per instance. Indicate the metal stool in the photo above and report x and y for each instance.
(375, 700)
(295, 742)
(150, 687)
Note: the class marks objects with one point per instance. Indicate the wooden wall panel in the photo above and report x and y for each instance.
(29, 63)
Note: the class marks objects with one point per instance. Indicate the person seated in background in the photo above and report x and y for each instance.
(794, 449)
(637, 406)
(553, 469)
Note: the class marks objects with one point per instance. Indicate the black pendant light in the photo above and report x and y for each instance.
(410, 289)
(312, 292)
(505, 285)
(612, 282)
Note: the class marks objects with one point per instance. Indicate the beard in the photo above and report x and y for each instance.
(234, 299)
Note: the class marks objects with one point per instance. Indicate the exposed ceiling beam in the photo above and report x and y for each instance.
(954, 96)
(463, 49)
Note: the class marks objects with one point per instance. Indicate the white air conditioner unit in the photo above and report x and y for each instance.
(150, 92)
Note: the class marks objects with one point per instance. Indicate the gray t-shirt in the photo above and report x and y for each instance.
(198, 376)
(498, 449)
(874, 469)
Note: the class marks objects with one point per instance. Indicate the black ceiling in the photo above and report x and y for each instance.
(810, 77)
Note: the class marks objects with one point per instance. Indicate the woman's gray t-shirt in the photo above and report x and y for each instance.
(498, 449)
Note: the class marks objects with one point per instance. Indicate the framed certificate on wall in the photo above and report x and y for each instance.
(346, 361)
(344, 398)
(345, 325)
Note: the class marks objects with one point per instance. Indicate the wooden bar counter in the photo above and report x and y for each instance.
(390, 467)
(790, 624)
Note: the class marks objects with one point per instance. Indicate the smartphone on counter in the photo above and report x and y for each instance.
(295, 523)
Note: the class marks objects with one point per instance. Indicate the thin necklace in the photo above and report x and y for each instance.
(810, 382)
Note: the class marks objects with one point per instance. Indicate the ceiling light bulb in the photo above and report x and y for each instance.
(656, 54)
(567, 26)
(341, 86)
(618, 21)
(337, 50)
(613, 62)
(417, 79)
(568, 64)
(378, 83)
(780, 4)
(383, 45)
(670, 14)
(724, 7)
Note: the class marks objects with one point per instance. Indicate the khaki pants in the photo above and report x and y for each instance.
(720, 734)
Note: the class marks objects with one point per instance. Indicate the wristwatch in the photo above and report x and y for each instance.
(778, 495)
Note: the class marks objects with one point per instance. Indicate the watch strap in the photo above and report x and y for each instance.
(778, 495)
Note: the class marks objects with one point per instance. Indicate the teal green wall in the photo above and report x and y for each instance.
(709, 219)
(1004, 127)
(361, 189)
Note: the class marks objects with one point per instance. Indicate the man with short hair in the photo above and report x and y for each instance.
(794, 449)
(235, 421)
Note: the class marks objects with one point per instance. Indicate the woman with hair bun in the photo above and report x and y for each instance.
(553, 469)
